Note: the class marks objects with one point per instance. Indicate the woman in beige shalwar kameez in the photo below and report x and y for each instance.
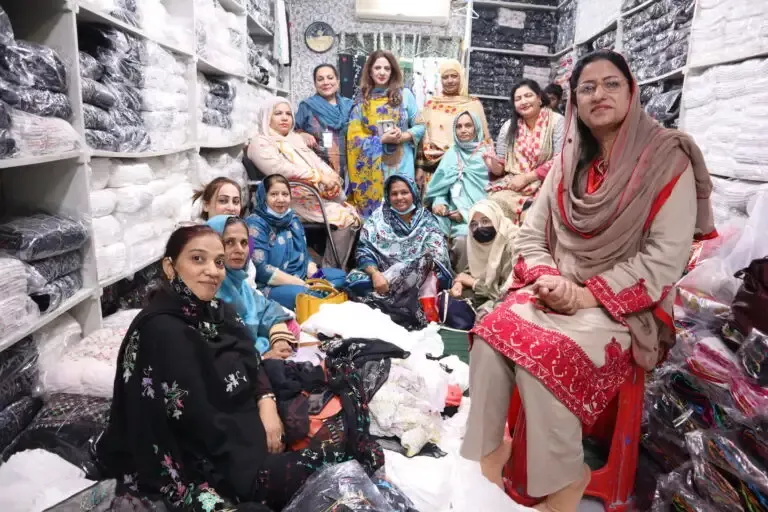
(597, 258)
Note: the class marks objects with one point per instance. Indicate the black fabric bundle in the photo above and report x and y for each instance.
(656, 38)
(491, 30)
(16, 417)
(494, 74)
(566, 26)
(42, 272)
(111, 82)
(40, 235)
(66, 426)
(28, 64)
(57, 291)
(216, 118)
(7, 144)
(6, 29)
(219, 102)
(497, 112)
(18, 372)
(40, 102)
(350, 70)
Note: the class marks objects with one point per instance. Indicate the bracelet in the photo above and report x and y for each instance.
(270, 396)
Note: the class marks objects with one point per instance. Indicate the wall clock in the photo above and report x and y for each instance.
(319, 37)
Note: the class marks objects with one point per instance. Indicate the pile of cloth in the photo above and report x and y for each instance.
(566, 25)
(508, 29)
(34, 107)
(217, 104)
(705, 428)
(50, 248)
(261, 11)
(220, 36)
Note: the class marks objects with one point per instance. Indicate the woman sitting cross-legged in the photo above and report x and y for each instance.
(400, 246)
(277, 149)
(489, 250)
(265, 319)
(194, 423)
(596, 264)
(459, 183)
(280, 250)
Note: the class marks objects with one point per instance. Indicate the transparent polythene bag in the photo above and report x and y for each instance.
(341, 487)
(36, 135)
(41, 235)
(29, 64)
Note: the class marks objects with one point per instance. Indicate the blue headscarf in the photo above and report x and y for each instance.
(257, 312)
(387, 239)
(278, 242)
(335, 117)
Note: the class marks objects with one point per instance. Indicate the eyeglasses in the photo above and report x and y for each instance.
(611, 85)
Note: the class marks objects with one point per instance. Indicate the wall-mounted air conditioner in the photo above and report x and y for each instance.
(437, 12)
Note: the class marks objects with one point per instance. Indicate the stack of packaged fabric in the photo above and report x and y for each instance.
(566, 25)
(507, 29)
(149, 15)
(656, 37)
(706, 418)
(214, 118)
(120, 127)
(260, 66)
(662, 101)
(50, 247)
(34, 106)
(261, 11)
(716, 103)
(220, 36)
(18, 378)
(728, 30)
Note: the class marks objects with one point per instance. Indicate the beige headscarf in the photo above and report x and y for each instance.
(291, 145)
(607, 226)
(485, 259)
(454, 65)
(265, 111)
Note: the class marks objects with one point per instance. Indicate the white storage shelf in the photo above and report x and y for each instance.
(60, 183)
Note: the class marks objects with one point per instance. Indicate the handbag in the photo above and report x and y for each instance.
(455, 313)
(318, 292)
(750, 305)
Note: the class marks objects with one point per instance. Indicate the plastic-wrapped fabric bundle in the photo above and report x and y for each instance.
(344, 486)
(753, 357)
(6, 29)
(41, 272)
(225, 106)
(100, 169)
(102, 203)
(111, 260)
(97, 94)
(96, 118)
(90, 68)
(17, 312)
(224, 89)
(40, 102)
(132, 198)
(101, 140)
(17, 417)
(494, 74)
(145, 251)
(566, 25)
(12, 277)
(41, 235)
(131, 219)
(106, 231)
(65, 426)
(7, 144)
(56, 292)
(32, 65)
(126, 174)
(139, 233)
(159, 100)
(36, 135)
(676, 492)
(18, 372)
(665, 107)
(216, 118)
(127, 96)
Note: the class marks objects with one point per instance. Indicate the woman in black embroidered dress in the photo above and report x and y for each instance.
(193, 409)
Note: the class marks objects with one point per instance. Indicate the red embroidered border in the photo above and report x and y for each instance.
(558, 361)
(629, 300)
(525, 276)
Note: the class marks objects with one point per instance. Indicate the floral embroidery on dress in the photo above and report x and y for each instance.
(257, 256)
(130, 481)
(175, 490)
(209, 499)
(146, 383)
(131, 353)
(233, 380)
(173, 399)
(208, 330)
(215, 304)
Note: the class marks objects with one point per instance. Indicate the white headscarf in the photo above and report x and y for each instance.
(485, 259)
(266, 109)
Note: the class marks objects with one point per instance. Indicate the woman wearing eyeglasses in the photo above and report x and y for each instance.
(524, 151)
(596, 263)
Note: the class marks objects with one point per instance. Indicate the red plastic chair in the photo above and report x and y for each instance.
(618, 427)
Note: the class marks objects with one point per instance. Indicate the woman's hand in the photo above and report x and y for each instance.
(563, 295)
(380, 283)
(280, 350)
(272, 424)
(392, 136)
(311, 269)
(465, 279)
(492, 162)
(456, 217)
(309, 139)
(331, 182)
(440, 210)
(457, 289)
(519, 182)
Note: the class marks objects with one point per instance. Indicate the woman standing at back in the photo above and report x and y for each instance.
(322, 119)
(385, 129)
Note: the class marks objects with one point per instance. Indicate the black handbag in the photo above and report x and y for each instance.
(455, 313)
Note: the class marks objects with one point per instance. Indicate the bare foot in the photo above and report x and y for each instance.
(568, 498)
(492, 465)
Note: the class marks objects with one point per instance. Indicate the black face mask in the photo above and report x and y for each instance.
(484, 234)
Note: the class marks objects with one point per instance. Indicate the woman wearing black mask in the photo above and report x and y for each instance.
(489, 251)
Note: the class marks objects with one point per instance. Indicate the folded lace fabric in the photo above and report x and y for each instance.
(103, 202)
(107, 230)
(17, 312)
(12, 277)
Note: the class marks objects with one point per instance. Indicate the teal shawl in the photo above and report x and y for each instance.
(460, 180)
(257, 312)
